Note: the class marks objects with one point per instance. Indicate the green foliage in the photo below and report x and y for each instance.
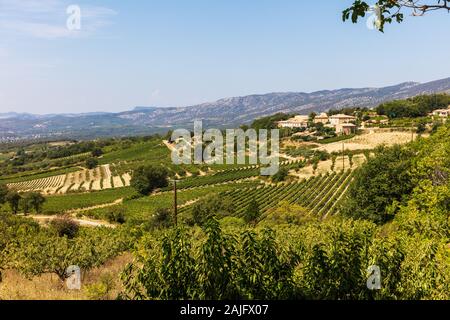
(389, 12)
(414, 107)
(97, 152)
(3, 192)
(33, 200)
(383, 179)
(102, 289)
(211, 206)
(148, 178)
(116, 215)
(163, 218)
(91, 163)
(36, 251)
(13, 198)
(249, 267)
(252, 213)
(269, 122)
(65, 226)
(281, 175)
(337, 139)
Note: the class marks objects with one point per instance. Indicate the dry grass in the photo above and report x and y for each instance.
(369, 141)
(49, 287)
(325, 166)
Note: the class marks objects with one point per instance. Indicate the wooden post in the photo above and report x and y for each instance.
(175, 205)
(343, 157)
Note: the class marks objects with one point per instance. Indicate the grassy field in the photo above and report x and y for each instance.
(152, 151)
(61, 203)
(143, 208)
(34, 175)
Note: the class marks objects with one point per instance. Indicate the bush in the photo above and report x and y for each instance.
(382, 180)
(33, 200)
(281, 175)
(212, 206)
(148, 178)
(91, 163)
(252, 213)
(251, 266)
(102, 289)
(13, 198)
(65, 226)
(116, 215)
(162, 219)
(3, 192)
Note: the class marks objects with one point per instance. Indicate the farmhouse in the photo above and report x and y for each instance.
(296, 122)
(346, 128)
(338, 119)
(343, 124)
(322, 118)
(443, 113)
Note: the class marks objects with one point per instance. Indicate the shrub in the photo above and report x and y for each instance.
(163, 218)
(65, 226)
(281, 175)
(91, 163)
(102, 289)
(148, 178)
(212, 206)
(382, 180)
(13, 198)
(116, 215)
(252, 213)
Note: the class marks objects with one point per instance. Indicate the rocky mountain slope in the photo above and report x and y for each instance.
(222, 113)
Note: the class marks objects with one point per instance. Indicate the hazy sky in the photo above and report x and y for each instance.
(183, 52)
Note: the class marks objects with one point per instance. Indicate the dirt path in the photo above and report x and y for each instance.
(100, 206)
(168, 145)
(369, 141)
(82, 222)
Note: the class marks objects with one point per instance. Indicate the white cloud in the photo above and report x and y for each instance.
(47, 18)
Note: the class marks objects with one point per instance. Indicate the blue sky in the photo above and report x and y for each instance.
(184, 52)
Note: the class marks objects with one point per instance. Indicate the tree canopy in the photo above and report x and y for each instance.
(148, 178)
(389, 11)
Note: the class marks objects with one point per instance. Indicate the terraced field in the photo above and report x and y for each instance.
(321, 195)
(143, 208)
(231, 175)
(96, 179)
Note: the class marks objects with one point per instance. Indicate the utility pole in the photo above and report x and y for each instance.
(175, 205)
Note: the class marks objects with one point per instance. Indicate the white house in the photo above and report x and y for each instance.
(296, 122)
(343, 124)
(321, 118)
(341, 119)
(443, 113)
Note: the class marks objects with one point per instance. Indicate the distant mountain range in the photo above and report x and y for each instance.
(222, 113)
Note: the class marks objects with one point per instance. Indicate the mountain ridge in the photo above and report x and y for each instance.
(224, 112)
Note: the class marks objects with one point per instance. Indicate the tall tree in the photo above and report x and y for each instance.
(13, 198)
(3, 192)
(34, 200)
